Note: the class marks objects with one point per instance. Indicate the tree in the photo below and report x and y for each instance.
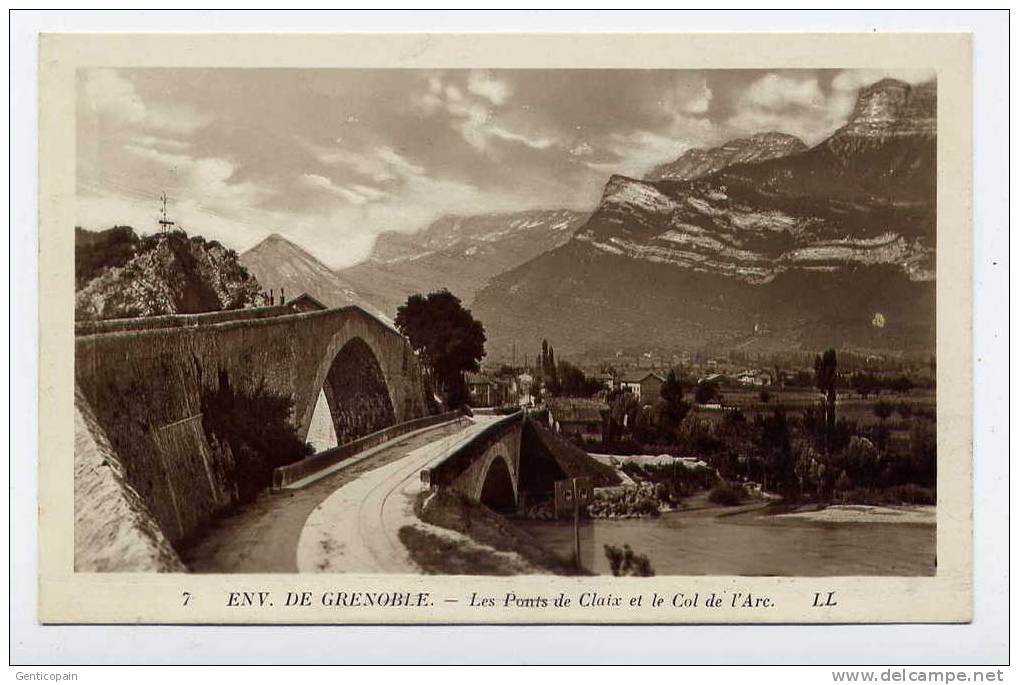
(825, 375)
(864, 383)
(574, 383)
(862, 461)
(777, 451)
(548, 368)
(449, 340)
(705, 392)
(675, 409)
(883, 410)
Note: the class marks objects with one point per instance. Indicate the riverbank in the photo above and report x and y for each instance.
(863, 513)
(758, 538)
(463, 537)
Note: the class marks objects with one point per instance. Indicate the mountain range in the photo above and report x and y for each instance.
(697, 162)
(762, 242)
(459, 253)
(808, 246)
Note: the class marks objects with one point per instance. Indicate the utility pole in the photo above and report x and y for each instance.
(573, 493)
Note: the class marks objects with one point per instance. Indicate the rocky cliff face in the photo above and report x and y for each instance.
(169, 273)
(825, 236)
(893, 108)
(858, 198)
(699, 162)
(460, 253)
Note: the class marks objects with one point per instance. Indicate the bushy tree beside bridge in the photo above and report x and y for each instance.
(449, 340)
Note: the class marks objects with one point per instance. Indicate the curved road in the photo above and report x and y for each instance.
(348, 521)
(356, 529)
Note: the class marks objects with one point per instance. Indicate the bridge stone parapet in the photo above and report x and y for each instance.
(300, 473)
(486, 469)
(145, 387)
(149, 323)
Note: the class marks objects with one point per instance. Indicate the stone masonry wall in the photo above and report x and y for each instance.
(145, 387)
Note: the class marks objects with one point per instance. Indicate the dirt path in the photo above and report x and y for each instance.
(262, 537)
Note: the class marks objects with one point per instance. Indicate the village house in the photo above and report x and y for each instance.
(719, 380)
(304, 303)
(576, 417)
(646, 387)
(525, 384)
(755, 377)
(486, 391)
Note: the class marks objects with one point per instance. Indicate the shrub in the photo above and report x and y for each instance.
(706, 392)
(256, 430)
(883, 409)
(727, 493)
(624, 562)
(626, 502)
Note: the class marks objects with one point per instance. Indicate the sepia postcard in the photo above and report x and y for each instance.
(496, 328)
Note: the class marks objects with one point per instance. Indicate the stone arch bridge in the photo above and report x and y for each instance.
(512, 460)
(143, 381)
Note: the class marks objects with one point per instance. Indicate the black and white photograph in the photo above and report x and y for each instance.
(472, 321)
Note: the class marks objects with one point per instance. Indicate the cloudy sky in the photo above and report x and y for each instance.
(331, 158)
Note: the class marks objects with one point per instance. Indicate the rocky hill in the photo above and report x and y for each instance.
(698, 162)
(809, 246)
(121, 275)
(457, 252)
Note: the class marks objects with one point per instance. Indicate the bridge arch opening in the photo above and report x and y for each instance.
(356, 393)
(497, 491)
(322, 433)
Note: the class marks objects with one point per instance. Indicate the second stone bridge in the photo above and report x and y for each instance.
(512, 462)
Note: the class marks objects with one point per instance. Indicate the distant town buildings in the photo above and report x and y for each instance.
(487, 391)
(577, 417)
(755, 377)
(646, 385)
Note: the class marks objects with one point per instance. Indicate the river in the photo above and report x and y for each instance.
(749, 544)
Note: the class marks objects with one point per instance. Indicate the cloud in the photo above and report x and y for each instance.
(636, 152)
(143, 140)
(355, 194)
(483, 84)
(474, 113)
(536, 143)
(776, 93)
(379, 164)
(799, 105)
(204, 181)
(582, 149)
(700, 102)
(852, 80)
(789, 103)
(114, 97)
